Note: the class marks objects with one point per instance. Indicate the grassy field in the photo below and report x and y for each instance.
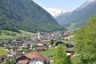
(49, 52)
(5, 34)
(72, 27)
(2, 51)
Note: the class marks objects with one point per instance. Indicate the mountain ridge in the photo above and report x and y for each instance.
(25, 15)
(79, 16)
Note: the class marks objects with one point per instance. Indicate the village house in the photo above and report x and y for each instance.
(66, 34)
(41, 47)
(32, 58)
(69, 50)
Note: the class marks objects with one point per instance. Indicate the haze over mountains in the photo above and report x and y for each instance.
(25, 15)
(79, 16)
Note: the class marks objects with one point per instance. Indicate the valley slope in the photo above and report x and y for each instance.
(73, 20)
(25, 15)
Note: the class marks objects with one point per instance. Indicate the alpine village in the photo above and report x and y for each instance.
(31, 35)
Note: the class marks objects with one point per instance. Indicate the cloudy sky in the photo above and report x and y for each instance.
(55, 7)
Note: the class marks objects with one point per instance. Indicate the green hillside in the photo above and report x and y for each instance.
(5, 34)
(25, 15)
(78, 17)
(2, 51)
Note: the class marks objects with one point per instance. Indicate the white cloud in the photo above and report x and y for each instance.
(53, 11)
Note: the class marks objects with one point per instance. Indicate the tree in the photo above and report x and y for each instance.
(60, 56)
(85, 42)
(8, 62)
(52, 42)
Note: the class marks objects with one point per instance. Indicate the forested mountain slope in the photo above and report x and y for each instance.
(79, 16)
(25, 15)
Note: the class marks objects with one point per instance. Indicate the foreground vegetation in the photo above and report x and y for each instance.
(49, 52)
(85, 43)
(8, 62)
(60, 56)
(2, 51)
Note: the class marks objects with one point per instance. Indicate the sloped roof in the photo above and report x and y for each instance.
(32, 55)
(69, 49)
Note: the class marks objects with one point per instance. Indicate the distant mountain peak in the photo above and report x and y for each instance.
(91, 0)
(85, 4)
(79, 16)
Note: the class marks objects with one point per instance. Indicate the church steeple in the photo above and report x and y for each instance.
(39, 35)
